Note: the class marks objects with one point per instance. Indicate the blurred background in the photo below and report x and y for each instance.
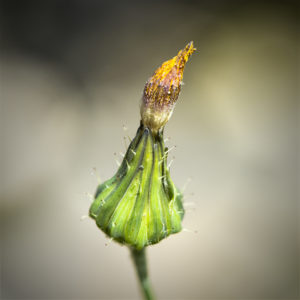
(72, 75)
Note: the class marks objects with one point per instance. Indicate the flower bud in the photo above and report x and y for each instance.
(140, 205)
(162, 90)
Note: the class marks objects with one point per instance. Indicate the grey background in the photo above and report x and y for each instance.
(72, 75)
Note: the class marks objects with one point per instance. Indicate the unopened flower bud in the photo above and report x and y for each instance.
(140, 205)
(162, 90)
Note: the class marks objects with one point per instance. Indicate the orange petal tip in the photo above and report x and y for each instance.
(162, 90)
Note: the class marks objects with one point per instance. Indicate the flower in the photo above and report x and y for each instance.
(140, 205)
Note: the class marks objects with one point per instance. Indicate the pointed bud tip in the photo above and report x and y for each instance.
(184, 54)
(162, 90)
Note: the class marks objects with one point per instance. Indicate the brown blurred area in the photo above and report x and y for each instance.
(72, 74)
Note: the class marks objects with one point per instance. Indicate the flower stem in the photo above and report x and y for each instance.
(139, 258)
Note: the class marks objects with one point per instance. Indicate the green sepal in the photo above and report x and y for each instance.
(140, 205)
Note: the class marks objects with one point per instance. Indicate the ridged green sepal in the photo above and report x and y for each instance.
(140, 205)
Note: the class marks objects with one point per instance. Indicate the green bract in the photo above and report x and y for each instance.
(140, 205)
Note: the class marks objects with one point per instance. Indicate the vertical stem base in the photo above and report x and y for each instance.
(139, 259)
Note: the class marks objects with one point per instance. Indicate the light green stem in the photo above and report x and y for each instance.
(139, 258)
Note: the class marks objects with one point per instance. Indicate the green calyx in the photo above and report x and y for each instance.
(140, 205)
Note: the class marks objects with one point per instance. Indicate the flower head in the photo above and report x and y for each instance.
(162, 90)
(140, 205)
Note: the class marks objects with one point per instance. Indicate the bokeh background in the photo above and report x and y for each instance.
(72, 75)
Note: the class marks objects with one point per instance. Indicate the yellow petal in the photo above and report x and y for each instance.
(162, 90)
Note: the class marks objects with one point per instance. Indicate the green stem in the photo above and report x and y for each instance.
(139, 258)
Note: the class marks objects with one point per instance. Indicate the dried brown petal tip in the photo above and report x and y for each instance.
(162, 90)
